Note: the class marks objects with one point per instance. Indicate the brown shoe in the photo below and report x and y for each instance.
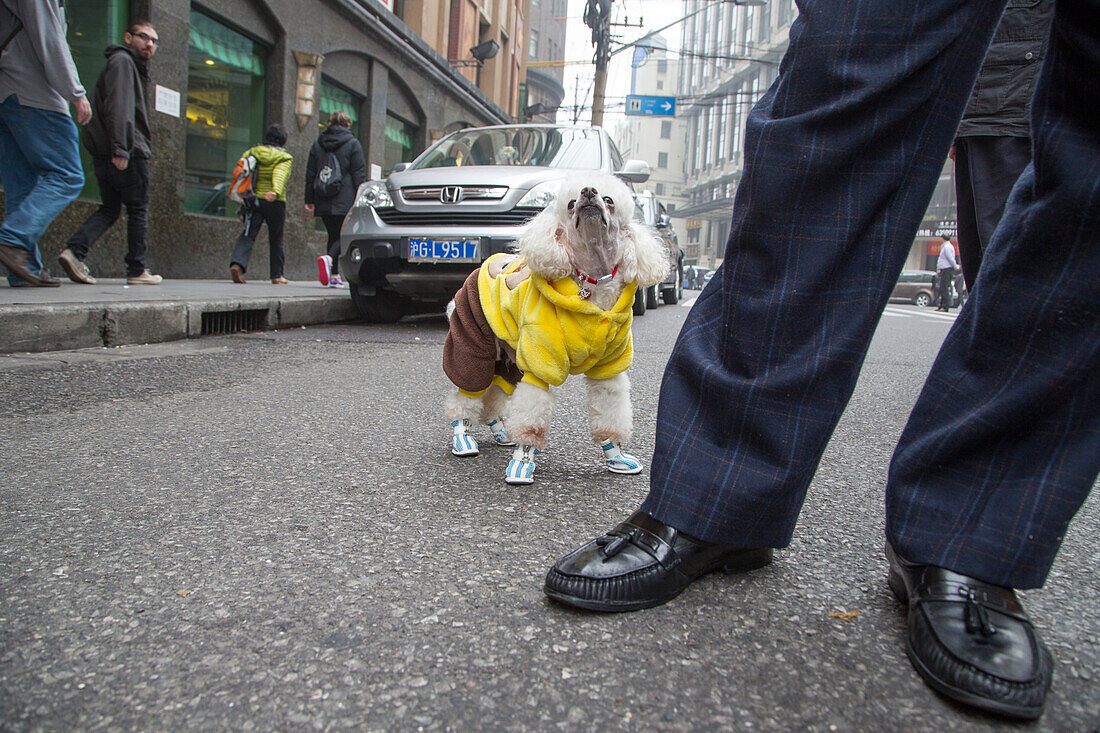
(237, 274)
(16, 260)
(74, 268)
(41, 280)
(279, 280)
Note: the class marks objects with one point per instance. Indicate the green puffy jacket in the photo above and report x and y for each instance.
(273, 170)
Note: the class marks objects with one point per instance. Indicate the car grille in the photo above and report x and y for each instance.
(517, 216)
(467, 193)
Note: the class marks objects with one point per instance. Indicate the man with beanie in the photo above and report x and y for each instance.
(118, 140)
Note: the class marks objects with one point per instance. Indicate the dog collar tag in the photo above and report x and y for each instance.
(585, 293)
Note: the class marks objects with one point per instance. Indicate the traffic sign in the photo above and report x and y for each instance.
(639, 104)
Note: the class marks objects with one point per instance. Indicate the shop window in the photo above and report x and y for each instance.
(93, 27)
(226, 96)
(334, 98)
(400, 142)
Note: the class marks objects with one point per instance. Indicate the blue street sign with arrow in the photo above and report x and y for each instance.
(639, 104)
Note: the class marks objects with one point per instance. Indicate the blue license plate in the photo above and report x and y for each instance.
(451, 250)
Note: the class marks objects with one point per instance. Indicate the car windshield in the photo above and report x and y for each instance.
(553, 147)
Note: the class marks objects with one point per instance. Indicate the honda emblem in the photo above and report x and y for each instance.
(450, 194)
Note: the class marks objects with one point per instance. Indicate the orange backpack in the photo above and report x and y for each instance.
(242, 188)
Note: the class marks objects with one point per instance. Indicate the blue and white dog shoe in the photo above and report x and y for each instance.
(500, 435)
(521, 469)
(619, 462)
(462, 444)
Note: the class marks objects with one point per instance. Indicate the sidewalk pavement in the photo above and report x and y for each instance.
(112, 313)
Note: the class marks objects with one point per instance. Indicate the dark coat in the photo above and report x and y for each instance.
(352, 165)
(119, 127)
(1001, 101)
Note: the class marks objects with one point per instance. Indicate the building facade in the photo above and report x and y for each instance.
(660, 141)
(226, 69)
(730, 55)
(545, 57)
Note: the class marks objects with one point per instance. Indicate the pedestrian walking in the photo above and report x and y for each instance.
(945, 272)
(39, 158)
(993, 143)
(272, 173)
(334, 172)
(118, 139)
(1003, 444)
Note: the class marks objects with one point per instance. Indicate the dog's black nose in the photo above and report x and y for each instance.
(589, 193)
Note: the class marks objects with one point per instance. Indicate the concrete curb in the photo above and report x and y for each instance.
(54, 327)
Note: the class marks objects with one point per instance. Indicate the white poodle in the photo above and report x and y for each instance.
(562, 306)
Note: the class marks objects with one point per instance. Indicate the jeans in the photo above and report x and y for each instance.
(128, 187)
(842, 155)
(274, 213)
(40, 168)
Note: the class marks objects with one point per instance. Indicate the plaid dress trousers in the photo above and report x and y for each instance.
(841, 157)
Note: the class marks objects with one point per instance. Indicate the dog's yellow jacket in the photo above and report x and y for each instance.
(553, 331)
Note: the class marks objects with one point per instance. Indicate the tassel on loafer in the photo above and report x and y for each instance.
(971, 641)
(640, 564)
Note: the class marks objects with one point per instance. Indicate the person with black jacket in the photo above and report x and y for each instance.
(335, 170)
(993, 143)
(119, 140)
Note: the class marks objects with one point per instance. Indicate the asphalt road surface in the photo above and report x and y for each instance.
(268, 532)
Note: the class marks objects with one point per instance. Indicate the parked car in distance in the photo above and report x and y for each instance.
(409, 241)
(671, 290)
(915, 286)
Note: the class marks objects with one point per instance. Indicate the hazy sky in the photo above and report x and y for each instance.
(653, 14)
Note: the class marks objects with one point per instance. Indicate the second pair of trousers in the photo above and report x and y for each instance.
(274, 213)
(118, 188)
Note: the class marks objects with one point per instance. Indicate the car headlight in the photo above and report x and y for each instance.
(373, 193)
(541, 195)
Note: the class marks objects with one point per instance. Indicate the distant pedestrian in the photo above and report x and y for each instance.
(945, 268)
(335, 170)
(39, 157)
(993, 144)
(271, 177)
(119, 140)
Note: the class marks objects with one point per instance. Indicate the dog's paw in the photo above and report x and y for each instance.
(462, 445)
(619, 462)
(521, 469)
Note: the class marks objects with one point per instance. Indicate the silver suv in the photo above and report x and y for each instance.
(409, 241)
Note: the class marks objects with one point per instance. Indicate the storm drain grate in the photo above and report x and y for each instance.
(235, 321)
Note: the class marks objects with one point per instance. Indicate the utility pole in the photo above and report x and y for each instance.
(597, 16)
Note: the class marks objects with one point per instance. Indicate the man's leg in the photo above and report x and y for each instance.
(986, 168)
(135, 195)
(1003, 444)
(242, 252)
(333, 224)
(854, 134)
(946, 276)
(107, 176)
(276, 223)
(19, 177)
(47, 143)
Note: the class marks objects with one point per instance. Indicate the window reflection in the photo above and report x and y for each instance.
(225, 109)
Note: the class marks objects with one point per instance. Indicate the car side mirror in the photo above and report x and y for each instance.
(663, 221)
(399, 167)
(635, 171)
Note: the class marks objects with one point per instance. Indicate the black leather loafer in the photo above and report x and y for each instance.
(971, 640)
(640, 564)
